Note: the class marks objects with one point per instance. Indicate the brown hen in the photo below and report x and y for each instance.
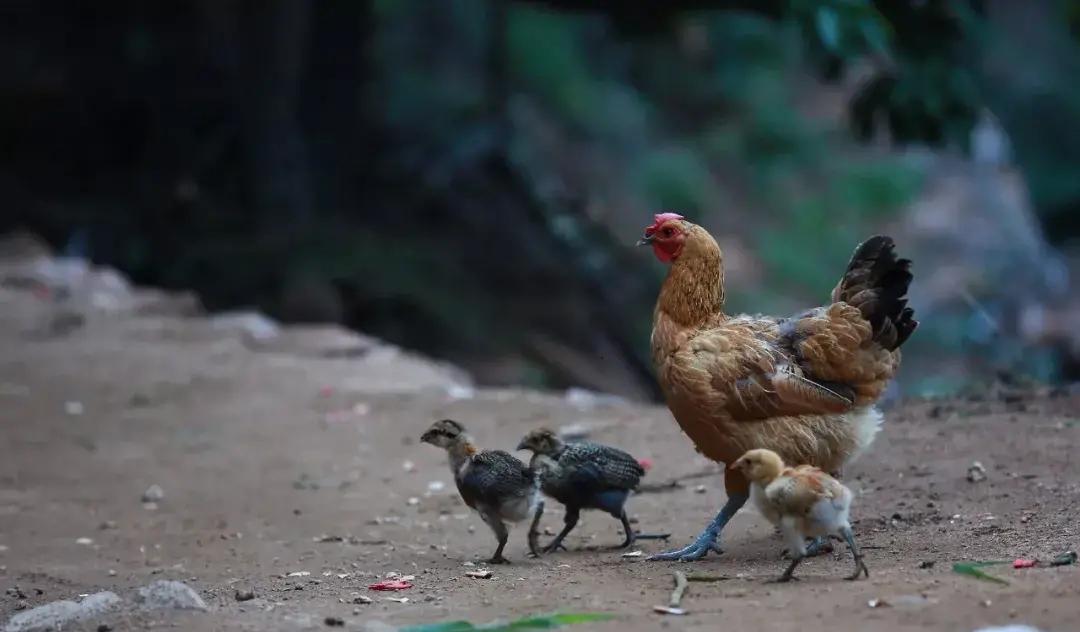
(803, 387)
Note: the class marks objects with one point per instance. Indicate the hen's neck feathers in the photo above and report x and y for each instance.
(693, 292)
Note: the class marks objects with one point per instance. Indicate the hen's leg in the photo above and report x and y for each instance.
(571, 519)
(860, 566)
(707, 540)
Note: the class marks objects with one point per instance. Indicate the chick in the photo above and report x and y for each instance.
(494, 483)
(583, 475)
(803, 501)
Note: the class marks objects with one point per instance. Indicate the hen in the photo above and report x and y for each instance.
(494, 483)
(803, 387)
(803, 501)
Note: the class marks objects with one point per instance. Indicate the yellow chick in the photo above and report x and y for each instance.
(803, 501)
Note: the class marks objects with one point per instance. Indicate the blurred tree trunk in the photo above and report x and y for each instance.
(334, 107)
(262, 44)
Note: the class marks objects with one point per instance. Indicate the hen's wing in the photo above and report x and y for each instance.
(846, 352)
(493, 477)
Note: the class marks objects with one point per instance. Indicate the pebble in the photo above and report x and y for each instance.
(153, 494)
(334, 621)
(84, 541)
(73, 408)
(244, 595)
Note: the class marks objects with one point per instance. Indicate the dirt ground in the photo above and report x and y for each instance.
(297, 452)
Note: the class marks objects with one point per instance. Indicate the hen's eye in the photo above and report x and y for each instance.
(667, 232)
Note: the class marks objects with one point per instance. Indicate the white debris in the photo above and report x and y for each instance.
(976, 472)
(153, 494)
(73, 408)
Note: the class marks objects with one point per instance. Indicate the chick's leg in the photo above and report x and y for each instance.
(819, 546)
(630, 537)
(860, 566)
(501, 533)
(534, 534)
(571, 519)
(796, 548)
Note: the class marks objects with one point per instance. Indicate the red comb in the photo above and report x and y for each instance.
(660, 218)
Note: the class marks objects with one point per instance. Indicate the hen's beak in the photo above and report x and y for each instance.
(521, 445)
(645, 241)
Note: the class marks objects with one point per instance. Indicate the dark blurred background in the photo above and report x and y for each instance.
(468, 178)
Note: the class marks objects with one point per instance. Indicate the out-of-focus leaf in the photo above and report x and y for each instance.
(974, 569)
(542, 622)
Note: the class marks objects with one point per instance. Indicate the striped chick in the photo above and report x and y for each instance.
(498, 486)
(803, 501)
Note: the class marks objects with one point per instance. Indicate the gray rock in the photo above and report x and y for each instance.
(169, 595)
(58, 614)
(98, 604)
(153, 494)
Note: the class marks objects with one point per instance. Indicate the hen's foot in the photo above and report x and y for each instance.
(699, 549)
(498, 559)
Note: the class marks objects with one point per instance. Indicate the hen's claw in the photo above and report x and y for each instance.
(707, 541)
(696, 551)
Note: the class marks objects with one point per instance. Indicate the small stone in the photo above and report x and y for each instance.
(244, 595)
(104, 627)
(84, 541)
(334, 622)
(73, 408)
(153, 494)
(413, 501)
(927, 564)
(976, 472)
(112, 572)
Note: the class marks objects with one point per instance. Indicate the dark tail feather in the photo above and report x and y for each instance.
(876, 282)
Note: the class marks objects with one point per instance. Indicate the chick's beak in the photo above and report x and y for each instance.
(521, 445)
(426, 437)
(645, 240)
